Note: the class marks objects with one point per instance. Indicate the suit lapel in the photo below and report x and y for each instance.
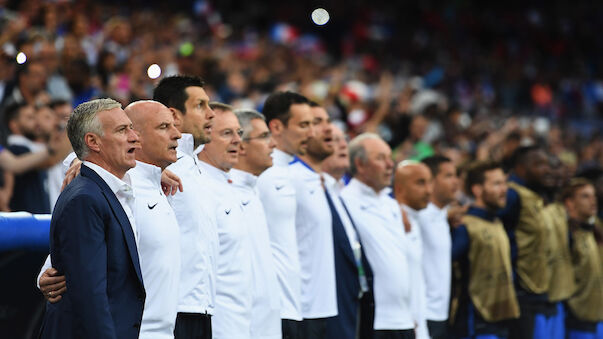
(339, 234)
(119, 214)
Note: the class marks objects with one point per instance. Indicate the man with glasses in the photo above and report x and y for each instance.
(254, 158)
(234, 276)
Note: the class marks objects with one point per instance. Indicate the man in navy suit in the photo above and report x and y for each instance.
(93, 233)
(355, 304)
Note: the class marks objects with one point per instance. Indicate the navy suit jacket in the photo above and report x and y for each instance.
(345, 324)
(92, 244)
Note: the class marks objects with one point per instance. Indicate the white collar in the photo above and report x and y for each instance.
(242, 178)
(215, 172)
(281, 158)
(115, 184)
(330, 182)
(366, 190)
(199, 149)
(413, 213)
(149, 172)
(186, 144)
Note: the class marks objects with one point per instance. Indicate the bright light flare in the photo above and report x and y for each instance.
(21, 58)
(320, 16)
(154, 71)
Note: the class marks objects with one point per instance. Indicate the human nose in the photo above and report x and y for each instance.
(271, 143)
(132, 135)
(176, 133)
(209, 114)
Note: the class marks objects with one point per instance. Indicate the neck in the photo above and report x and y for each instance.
(100, 162)
(335, 173)
(244, 166)
(312, 162)
(438, 203)
(203, 156)
(142, 159)
(366, 182)
(480, 204)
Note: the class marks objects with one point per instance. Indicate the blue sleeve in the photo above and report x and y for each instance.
(82, 254)
(460, 243)
(510, 214)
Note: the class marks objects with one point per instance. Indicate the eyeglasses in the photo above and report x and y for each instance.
(229, 133)
(264, 137)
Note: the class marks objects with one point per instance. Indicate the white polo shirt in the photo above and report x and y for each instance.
(266, 305)
(314, 232)
(437, 248)
(198, 233)
(379, 222)
(414, 254)
(277, 193)
(159, 252)
(234, 279)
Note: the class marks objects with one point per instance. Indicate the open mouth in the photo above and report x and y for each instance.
(233, 152)
(131, 150)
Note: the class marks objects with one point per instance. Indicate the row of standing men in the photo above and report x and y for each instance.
(266, 238)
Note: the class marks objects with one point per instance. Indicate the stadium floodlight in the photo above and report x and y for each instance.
(21, 58)
(154, 71)
(320, 16)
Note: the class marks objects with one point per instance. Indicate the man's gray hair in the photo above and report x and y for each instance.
(245, 115)
(357, 150)
(83, 120)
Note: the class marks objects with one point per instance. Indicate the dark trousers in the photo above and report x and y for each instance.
(192, 326)
(313, 328)
(394, 334)
(290, 329)
(438, 329)
(525, 327)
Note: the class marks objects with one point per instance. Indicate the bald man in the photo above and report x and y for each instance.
(412, 189)
(157, 227)
(156, 231)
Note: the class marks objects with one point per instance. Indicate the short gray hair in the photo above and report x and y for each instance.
(357, 150)
(245, 115)
(83, 120)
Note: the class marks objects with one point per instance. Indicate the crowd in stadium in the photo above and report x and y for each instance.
(437, 173)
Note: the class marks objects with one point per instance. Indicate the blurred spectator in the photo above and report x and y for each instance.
(30, 191)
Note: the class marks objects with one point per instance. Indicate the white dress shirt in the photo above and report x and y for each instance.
(234, 279)
(278, 197)
(198, 233)
(414, 254)
(159, 251)
(437, 248)
(379, 222)
(122, 189)
(314, 232)
(266, 305)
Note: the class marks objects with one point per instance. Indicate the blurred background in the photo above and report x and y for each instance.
(459, 78)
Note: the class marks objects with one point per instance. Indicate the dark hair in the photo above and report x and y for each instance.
(171, 91)
(313, 104)
(521, 154)
(572, 186)
(434, 162)
(278, 105)
(476, 173)
(12, 112)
